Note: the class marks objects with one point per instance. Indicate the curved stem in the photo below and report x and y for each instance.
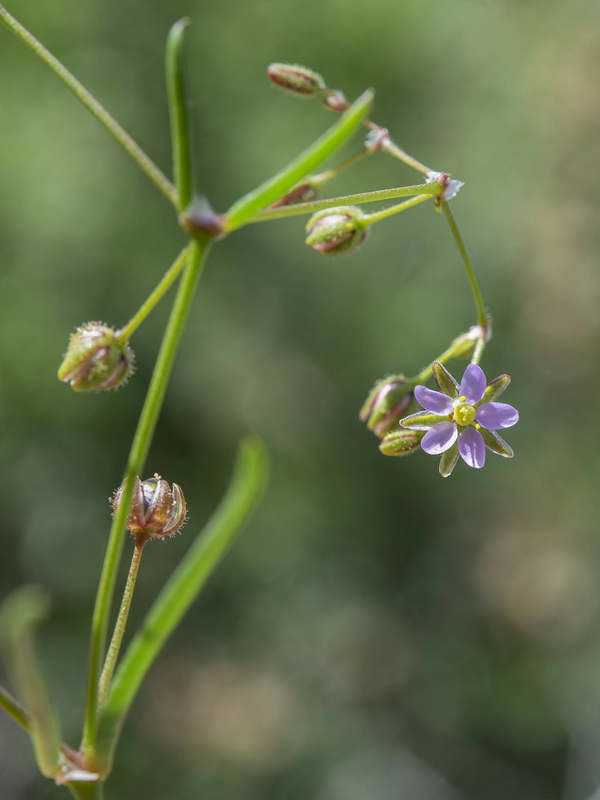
(427, 189)
(159, 292)
(482, 318)
(137, 457)
(117, 637)
(93, 106)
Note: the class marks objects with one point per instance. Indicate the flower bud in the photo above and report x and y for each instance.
(157, 509)
(387, 402)
(293, 78)
(336, 230)
(401, 442)
(96, 359)
(301, 193)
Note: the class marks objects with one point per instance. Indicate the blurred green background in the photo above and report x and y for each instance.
(378, 632)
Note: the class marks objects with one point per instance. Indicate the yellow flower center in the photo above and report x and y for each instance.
(464, 415)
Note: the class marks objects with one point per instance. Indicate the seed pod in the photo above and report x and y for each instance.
(387, 402)
(96, 359)
(157, 509)
(293, 78)
(336, 230)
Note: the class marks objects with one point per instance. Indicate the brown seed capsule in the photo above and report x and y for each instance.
(293, 78)
(157, 509)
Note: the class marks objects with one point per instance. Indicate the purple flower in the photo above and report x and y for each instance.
(462, 420)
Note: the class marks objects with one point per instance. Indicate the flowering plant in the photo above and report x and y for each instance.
(462, 420)
(458, 420)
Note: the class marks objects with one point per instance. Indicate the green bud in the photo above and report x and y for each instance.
(401, 442)
(336, 230)
(387, 402)
(157, 509)
(293, 78)
(95, 359)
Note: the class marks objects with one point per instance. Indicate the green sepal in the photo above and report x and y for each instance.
(444, 380)
(496, 443)
(422, 421)
(401, 442)
(448, 460)
(494, 389)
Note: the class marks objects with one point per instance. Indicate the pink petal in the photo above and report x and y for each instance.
(440, 438)
(473, 384)
(472, 448)
(495, 416)
(435, 402)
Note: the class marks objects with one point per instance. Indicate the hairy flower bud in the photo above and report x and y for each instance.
(157, 509)
(96, 359)
(293, 78)
(387, 402)
(398, 443)
(336, 230)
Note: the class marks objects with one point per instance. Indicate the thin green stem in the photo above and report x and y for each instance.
(329, 174)
(180, 591)
(420, 189)
(137, 457)
(178, 94)
(482, 318)
(125, 334)
(94, 107)
(117, 637)
(389, 212)
(392, 148)
(14, 709)
(86, 790)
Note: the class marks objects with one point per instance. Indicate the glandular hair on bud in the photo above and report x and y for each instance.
(297, 80)
(157, 509)
(401, 442)
(96, 359)
(387, 402)
(336, 230)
